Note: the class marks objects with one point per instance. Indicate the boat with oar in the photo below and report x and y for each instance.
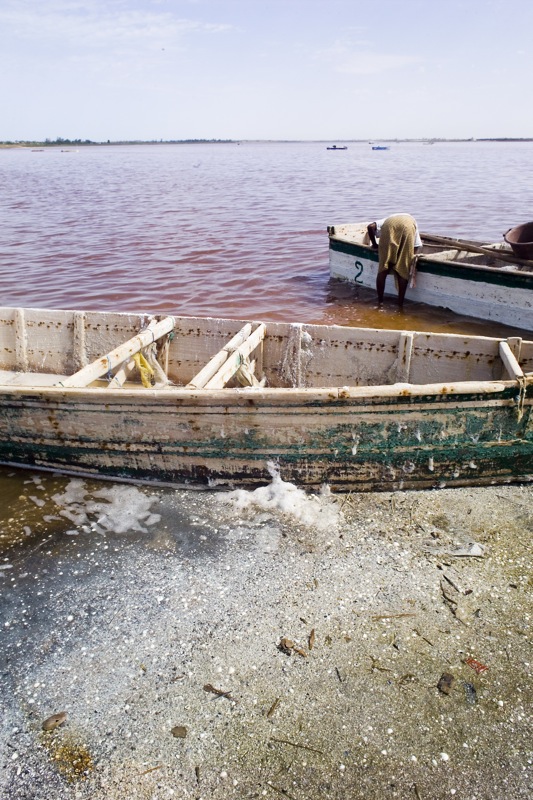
(186, 400)
(488, 281)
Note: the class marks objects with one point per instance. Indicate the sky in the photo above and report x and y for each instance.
(265, 69)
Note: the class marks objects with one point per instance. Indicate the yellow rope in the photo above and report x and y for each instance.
(146, 371)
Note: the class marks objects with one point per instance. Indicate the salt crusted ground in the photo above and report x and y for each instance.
(122, 605)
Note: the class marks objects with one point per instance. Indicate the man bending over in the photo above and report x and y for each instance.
(399, 239)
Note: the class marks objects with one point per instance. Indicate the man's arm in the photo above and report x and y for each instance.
(372, 229)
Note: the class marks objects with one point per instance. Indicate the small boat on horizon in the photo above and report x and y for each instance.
(380, 147)
(337, 147)
(191, 400)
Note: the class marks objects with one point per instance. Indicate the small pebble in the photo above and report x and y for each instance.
(53, 722)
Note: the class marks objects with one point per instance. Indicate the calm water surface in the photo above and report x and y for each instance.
(238, 230)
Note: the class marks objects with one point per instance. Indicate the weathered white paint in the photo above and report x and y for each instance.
(402, 397)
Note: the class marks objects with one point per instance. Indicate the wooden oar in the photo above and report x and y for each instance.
(459, 244)
(212, 367)
(116, 357)
(236, 358)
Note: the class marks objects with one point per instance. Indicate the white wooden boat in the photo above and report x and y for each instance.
(487, 281)
(351, 407)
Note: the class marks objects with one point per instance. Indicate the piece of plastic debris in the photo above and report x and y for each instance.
(470, 692)
(477, 666)
(474, 550)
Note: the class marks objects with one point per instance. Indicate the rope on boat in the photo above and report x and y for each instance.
(291, 362)
(145, 369)
(522, 382)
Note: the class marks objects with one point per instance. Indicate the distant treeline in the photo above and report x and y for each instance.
(78, 142)
(504, 139)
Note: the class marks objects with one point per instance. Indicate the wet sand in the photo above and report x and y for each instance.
(376, 595)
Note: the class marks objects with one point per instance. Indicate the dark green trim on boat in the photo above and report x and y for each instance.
(446, 269)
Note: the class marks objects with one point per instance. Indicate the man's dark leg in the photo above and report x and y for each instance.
(380, 284)
(402, 288)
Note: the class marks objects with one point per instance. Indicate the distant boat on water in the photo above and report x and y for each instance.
(380, 147)
(337, 147)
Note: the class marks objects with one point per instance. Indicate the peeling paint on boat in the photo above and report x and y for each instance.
(369, 435)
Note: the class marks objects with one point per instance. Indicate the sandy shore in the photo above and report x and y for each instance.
(162, 642)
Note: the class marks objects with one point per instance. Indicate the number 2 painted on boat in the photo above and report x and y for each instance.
(358, 272)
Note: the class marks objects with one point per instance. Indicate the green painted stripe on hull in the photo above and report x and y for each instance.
(444, 430)
(373, 474)
(355, 443)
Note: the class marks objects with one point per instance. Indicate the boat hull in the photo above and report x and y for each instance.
(355, 408)
(349, 439)
(499, 295)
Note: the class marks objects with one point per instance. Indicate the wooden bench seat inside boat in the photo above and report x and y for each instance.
(9, 378)
(45, 379)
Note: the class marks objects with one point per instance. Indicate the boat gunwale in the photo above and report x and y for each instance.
(426, 259)
(180, 319)
(279, 394)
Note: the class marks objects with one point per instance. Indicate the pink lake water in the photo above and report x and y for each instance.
(239, 230)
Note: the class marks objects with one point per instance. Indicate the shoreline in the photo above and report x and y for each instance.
(378, 595)
(24, 144)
